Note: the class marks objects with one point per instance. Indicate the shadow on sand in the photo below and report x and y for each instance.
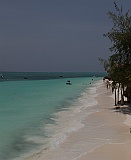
(126, 109)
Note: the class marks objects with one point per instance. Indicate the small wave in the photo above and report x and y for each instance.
(68, 121)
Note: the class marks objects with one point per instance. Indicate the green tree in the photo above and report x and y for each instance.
(118, 65)
(120, 34)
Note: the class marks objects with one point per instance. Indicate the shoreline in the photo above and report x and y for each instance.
(103, 129)
(119, 148)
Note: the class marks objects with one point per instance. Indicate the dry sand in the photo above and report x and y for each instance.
(105, 135)
(119, 147)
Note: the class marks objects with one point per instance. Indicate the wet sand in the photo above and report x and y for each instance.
(105, 134)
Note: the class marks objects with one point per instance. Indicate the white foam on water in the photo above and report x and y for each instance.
(71, 138)
(66, 122)
(70, 120)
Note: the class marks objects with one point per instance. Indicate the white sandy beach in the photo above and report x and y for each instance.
(105, 134)
(119, 146)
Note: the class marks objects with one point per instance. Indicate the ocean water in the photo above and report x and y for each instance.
(35, 108)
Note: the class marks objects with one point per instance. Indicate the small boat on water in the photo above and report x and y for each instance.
(1, 76)
(68, 82)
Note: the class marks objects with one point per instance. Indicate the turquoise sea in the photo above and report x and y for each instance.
(31, 102)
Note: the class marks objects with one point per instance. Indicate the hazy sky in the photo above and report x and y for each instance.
(55, 35)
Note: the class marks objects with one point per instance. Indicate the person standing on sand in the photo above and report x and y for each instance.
(107, 83)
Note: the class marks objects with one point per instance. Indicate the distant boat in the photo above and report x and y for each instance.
(68, 82)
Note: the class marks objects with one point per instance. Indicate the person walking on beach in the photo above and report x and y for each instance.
(107, 84)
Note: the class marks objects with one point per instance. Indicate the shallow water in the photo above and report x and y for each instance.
(31, 110)
(84, 127)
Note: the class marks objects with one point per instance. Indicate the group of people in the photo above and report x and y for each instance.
(108, 83)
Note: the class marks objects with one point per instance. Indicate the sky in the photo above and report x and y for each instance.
(55, 35)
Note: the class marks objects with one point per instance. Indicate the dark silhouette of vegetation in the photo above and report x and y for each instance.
(118, 65)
